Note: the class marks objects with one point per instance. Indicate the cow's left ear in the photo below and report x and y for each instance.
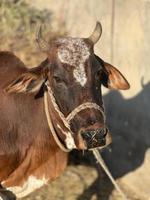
(114, 79)
(26, 83)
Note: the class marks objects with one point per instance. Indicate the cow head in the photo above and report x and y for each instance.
(75, 75)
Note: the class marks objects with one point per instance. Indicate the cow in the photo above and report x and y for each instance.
(47, 111)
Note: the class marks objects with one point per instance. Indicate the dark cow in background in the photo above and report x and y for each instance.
(71, 76)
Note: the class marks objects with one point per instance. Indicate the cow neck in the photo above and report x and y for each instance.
(57, 122)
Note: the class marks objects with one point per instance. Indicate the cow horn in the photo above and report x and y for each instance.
(95, 36)
(43, 45)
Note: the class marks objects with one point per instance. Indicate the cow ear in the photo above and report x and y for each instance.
(25, 83)
(113, 79)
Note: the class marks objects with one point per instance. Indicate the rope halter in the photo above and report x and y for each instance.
(57, 122)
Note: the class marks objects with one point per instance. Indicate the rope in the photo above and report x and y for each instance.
(61, 146)
(82, 107)
(61, 115)
(102, 163)
(65, 120)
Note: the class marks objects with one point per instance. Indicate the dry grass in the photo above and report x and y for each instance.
(18, 25)
(18, 19)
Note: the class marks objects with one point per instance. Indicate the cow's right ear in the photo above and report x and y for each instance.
(111, 77)
(114, 78)
(26, 83)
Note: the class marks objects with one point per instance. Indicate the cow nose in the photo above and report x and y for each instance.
(94, 138)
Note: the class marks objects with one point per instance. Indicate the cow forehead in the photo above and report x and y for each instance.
(74, 52)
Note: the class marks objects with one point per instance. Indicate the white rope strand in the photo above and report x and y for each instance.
(83, 107)
(102, 163)
(49, 121)
(61, 115)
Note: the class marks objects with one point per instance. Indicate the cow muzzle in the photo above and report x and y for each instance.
(94, 138)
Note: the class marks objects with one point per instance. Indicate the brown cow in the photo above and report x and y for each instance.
(51, 109)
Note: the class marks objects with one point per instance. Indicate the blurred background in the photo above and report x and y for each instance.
(125, 43)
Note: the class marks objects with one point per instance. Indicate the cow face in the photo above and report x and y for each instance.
(74, 79)
(75, 75)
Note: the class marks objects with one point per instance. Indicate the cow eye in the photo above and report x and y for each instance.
(58, 80)
(99, 74)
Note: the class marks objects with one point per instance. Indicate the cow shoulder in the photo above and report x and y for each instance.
(10, 67)
(9, 61)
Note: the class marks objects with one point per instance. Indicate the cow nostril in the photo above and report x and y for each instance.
(87, 135)
(102, 132)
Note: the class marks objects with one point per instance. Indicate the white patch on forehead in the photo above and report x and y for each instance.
(29, 186)
(74, 51)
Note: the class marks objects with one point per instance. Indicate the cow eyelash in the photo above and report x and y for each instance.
(58, 80)
(98, 74)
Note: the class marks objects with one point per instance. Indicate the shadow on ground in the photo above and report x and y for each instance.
(129, 122)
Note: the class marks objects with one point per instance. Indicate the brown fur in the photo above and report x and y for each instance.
(26, 144)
